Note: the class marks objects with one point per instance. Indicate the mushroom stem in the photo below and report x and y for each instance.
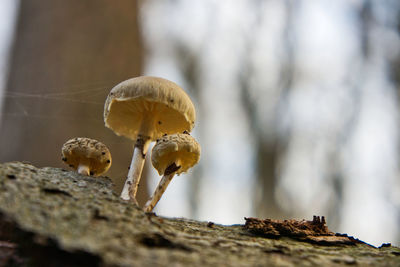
(83, 169)
(162, 186)
(135, 169)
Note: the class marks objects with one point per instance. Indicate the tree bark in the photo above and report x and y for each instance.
(50, 216)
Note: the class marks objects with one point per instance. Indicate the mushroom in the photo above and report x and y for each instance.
(172, 154)
(143, 109)
(87, 156)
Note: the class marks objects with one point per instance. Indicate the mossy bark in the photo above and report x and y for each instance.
(50, 216)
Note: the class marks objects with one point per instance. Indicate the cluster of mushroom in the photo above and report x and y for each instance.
(143, 109)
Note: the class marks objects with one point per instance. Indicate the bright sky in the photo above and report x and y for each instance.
(8, 14)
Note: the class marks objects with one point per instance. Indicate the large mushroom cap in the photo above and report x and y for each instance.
(135, 100)
(179, 149)
(90, 152)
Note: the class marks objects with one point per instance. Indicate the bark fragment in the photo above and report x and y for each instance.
(315, 231)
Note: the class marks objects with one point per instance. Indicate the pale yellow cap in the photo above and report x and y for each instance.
(82, 150)
(181, 149)
(161, 103)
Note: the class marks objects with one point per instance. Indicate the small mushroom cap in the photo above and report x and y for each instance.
(181, 149)
(82, 150)
(140, 98)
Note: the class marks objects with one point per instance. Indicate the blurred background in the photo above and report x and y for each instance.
(297, 101)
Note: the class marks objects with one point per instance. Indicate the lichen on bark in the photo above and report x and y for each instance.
(49, 215)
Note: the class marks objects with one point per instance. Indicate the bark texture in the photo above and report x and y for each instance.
(49, 216)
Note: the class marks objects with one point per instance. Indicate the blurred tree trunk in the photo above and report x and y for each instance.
(75, 52)
(269, 149)
(190, 67)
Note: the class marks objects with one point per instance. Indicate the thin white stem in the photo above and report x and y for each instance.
(135, 170)
(83, 169)
(162, 186)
